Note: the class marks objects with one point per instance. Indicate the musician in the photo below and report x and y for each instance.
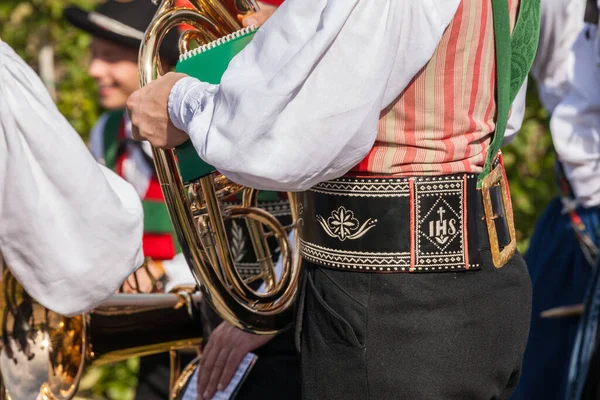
(572, 276)
(70, 229)
(402, 95)
(117, 28)
(557, 261)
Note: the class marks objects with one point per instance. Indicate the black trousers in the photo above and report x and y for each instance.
(415, 336)
(154, 375)
(275, 375)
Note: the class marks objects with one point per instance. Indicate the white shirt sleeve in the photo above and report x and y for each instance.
(575, 123)
(517, 114)
(561, 22)
(70, 230)
(300, 104)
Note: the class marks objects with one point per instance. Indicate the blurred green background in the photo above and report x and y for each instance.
(38, 33)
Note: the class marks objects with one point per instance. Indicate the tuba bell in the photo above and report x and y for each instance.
(196, 204)
(46, 353)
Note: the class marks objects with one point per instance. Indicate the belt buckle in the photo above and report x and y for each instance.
(496, 177)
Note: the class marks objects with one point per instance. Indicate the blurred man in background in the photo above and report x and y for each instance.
(563, 249)
(117, 28)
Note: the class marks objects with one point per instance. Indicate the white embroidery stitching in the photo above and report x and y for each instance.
(342, 224)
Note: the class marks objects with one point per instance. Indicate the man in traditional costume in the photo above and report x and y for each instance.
(564, 251)
(117, 28)
(558, 258)
(388, 115)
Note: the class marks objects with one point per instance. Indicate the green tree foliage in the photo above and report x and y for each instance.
(29, 25)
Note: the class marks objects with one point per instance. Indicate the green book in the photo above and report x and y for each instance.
(207, 63)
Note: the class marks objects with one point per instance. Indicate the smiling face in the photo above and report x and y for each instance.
(115, 70)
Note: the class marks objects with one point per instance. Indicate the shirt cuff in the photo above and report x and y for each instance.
(185, 98)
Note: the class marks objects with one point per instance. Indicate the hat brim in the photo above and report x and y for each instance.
(80, 19)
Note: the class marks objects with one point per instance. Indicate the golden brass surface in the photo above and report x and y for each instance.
(48, 352)
(496, 177)
(196, 208)
(177, 390)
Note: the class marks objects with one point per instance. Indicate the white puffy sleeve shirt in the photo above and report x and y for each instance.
(575, 122)
(561, 23)
(70, 229)
(300, 104)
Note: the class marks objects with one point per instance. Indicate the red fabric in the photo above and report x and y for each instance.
(154, 191)
(273, 2)
(411, 184)
(158, 246)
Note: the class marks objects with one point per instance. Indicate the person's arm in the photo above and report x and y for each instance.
(561, 22)
(70, 229)
(300, 104)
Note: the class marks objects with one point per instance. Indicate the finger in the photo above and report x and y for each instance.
(235, 357)
(250, 20)
(135, 132)
(217, 370)
(128, 285)
(207, 362)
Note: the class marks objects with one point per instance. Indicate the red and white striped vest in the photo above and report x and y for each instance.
(443, 121)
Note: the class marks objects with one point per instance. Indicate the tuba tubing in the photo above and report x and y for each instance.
(43, 348)
(195, 207)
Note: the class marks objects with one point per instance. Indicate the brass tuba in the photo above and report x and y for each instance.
(195, 206)
(45, 352)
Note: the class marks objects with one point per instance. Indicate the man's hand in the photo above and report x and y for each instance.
(147, 108)
(260, 17)
(226, 347)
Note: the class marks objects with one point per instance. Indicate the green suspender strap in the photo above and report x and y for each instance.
(111, 138)
(514, 57)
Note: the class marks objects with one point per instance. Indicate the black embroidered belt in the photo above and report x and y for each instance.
(418, 224)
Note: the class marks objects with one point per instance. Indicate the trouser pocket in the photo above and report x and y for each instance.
(336, 304)
(334, 334)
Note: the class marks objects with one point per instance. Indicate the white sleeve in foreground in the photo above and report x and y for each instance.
(300, 104)
(70, 230)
